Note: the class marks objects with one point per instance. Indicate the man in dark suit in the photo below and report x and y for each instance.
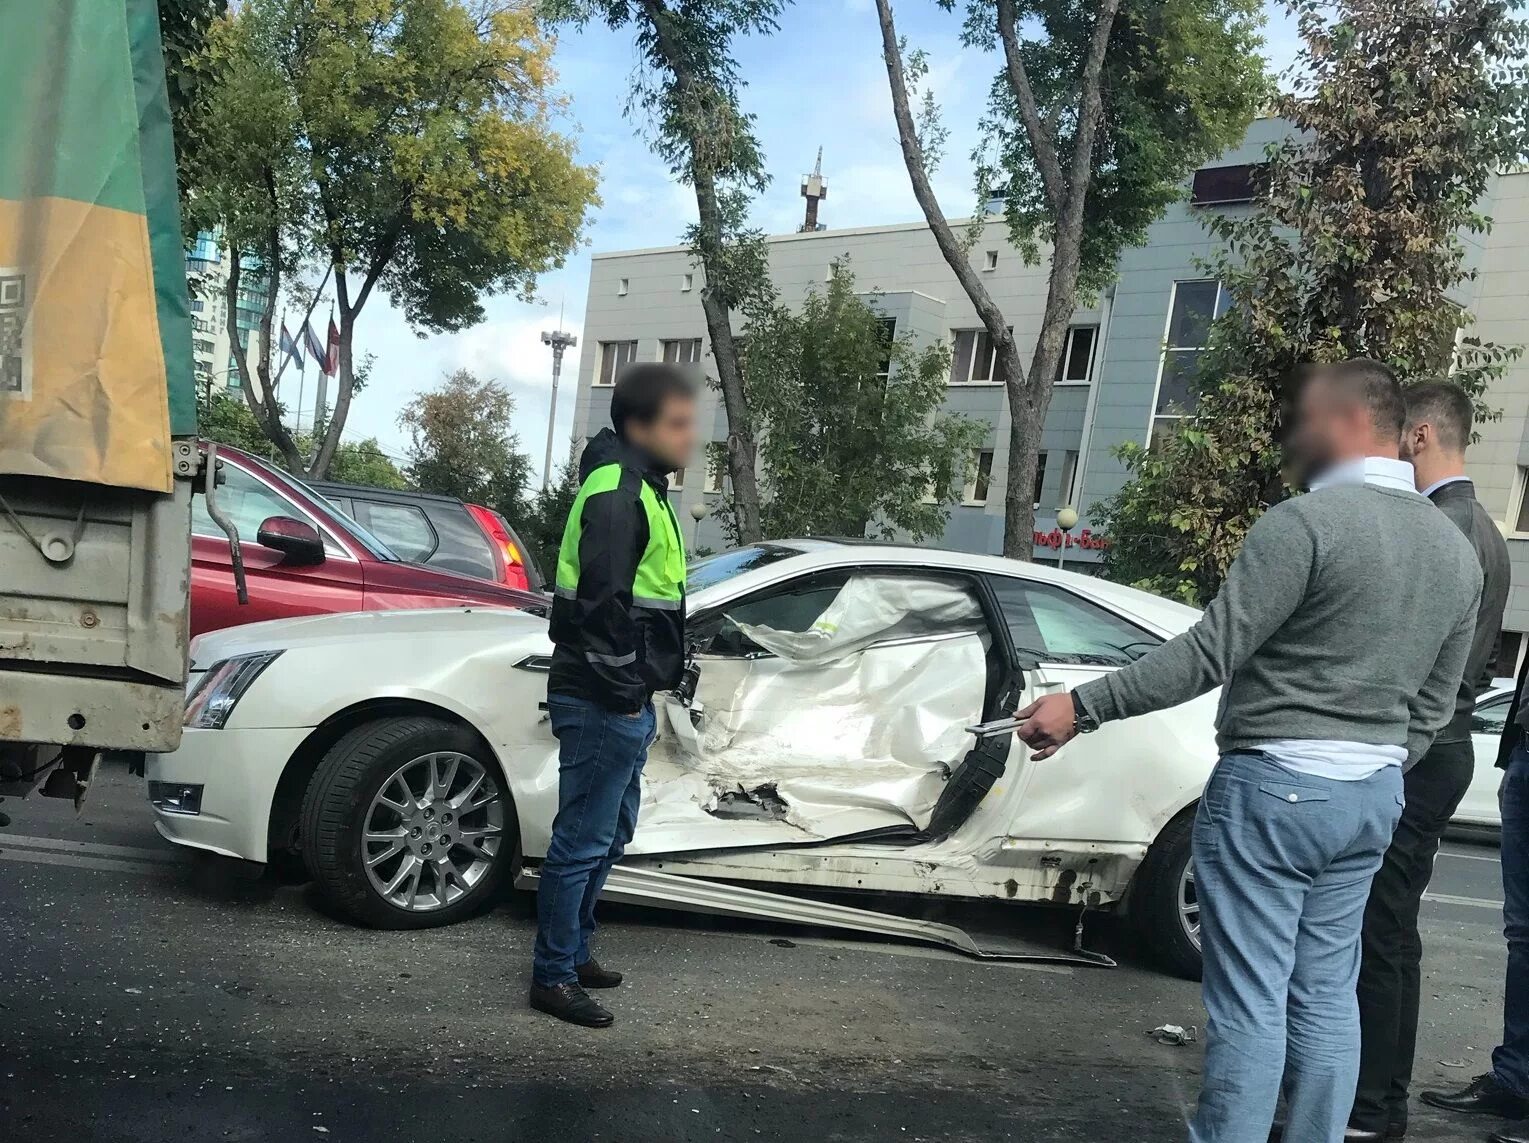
(1434, 438)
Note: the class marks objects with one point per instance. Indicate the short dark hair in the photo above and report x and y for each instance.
(1372, 384)
(642, 389)
(1446, 407)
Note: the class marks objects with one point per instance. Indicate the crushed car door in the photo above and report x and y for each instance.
(834, 706)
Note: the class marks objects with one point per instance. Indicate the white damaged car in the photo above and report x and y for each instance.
(403, 760)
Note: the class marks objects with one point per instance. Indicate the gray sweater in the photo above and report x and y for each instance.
(1347, 615)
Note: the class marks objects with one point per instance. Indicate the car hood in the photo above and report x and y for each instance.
(468, 623)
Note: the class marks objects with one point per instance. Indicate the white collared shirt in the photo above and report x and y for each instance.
(1334, 758)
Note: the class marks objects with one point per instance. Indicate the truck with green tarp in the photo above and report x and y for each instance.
(98, 451)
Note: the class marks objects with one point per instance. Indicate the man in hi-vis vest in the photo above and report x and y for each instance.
(618, 620)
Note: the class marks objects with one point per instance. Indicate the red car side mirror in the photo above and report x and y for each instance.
(297, 540)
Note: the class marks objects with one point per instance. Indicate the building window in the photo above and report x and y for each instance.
(981, 477)
(682, 351)
(622, 287)
(202, 346)
(1223, 186)
(990, 260)
(197, 305)
(1040, 478)
(677, 480)
(1192, 308)
(1077, 364)
(687, 282)
(716, 468)
(614, 357)
(975, 360)
(888, 339)
(1069, 489)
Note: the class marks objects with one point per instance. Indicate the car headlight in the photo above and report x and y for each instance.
(222, 686)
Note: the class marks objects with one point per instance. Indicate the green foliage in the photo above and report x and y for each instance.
(1181, 81)
(462, 444)
(409, 145)
(852, 436)
(542, 517)
(228, 420)
(1404, 113)
(183, 29)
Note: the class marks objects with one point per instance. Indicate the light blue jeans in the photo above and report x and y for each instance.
(1283, 863)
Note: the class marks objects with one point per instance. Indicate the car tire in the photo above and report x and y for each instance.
(1162, 896)
(350, 826)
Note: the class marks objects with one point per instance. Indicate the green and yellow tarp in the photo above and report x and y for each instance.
(95, 332)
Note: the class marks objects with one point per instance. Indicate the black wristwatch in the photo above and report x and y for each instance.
(1082, 721)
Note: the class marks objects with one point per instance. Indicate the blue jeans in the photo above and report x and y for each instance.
(1510, 1061)
(600, 759)
(1283, 863)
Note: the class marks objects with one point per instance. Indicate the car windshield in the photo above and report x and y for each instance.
(724, 565)
(371, 543)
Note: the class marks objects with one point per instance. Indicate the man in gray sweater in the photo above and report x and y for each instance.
(1339, 639)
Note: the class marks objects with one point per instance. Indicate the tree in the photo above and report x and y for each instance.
(1091, 129)
(851, 431)
(403, 145)
(462, 445)
(540, 521)
(184, 26)
(1401, 114)
(690, 94)
(229, 421)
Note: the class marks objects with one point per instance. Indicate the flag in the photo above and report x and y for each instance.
(315, 346)
(332, 358)
(96, 369)
(290, 347)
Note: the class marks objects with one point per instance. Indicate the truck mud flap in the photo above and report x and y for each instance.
(671, 891)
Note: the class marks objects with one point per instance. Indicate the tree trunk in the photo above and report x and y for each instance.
(741, 448)
(262, 403)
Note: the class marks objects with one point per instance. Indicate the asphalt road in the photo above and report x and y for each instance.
(144, 996)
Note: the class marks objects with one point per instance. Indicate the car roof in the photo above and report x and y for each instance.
(371, 492)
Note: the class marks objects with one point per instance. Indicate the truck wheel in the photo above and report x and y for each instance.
(407, 824)
(1165, 907)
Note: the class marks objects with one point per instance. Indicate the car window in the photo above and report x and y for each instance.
(794, 606)
(724, 565)
(247, 501)
(1491, 716)
(1057, 626)
(462, 546)
(402, 527)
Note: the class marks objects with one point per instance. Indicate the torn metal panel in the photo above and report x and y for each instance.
(648, 887)
(851, 727)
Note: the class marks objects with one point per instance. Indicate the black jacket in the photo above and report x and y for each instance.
(1457, 500)
(618, 610)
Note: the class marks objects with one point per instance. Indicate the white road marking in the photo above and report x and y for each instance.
(78, 861)
(1451, 899)
(1470, 856)
(99, 849)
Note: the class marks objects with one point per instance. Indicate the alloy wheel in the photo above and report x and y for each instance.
(433, 831)
(1189, 904)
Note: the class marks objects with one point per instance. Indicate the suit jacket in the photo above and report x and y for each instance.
(1457, 500)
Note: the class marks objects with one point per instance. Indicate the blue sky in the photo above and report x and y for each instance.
(818, 82)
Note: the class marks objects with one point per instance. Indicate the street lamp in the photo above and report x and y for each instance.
(1066, 521)
(698, 512)
(559, 341)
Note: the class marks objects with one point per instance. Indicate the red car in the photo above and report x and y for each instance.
(302, 556)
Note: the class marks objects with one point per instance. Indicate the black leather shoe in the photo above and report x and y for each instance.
(1353, 1134)
(591, 975)
(1513, 1135)
(571, 1003)
(1482, 1096)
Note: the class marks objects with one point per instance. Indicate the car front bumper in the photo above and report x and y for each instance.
(230, 776)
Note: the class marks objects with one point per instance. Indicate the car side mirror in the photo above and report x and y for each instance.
(297, 540)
